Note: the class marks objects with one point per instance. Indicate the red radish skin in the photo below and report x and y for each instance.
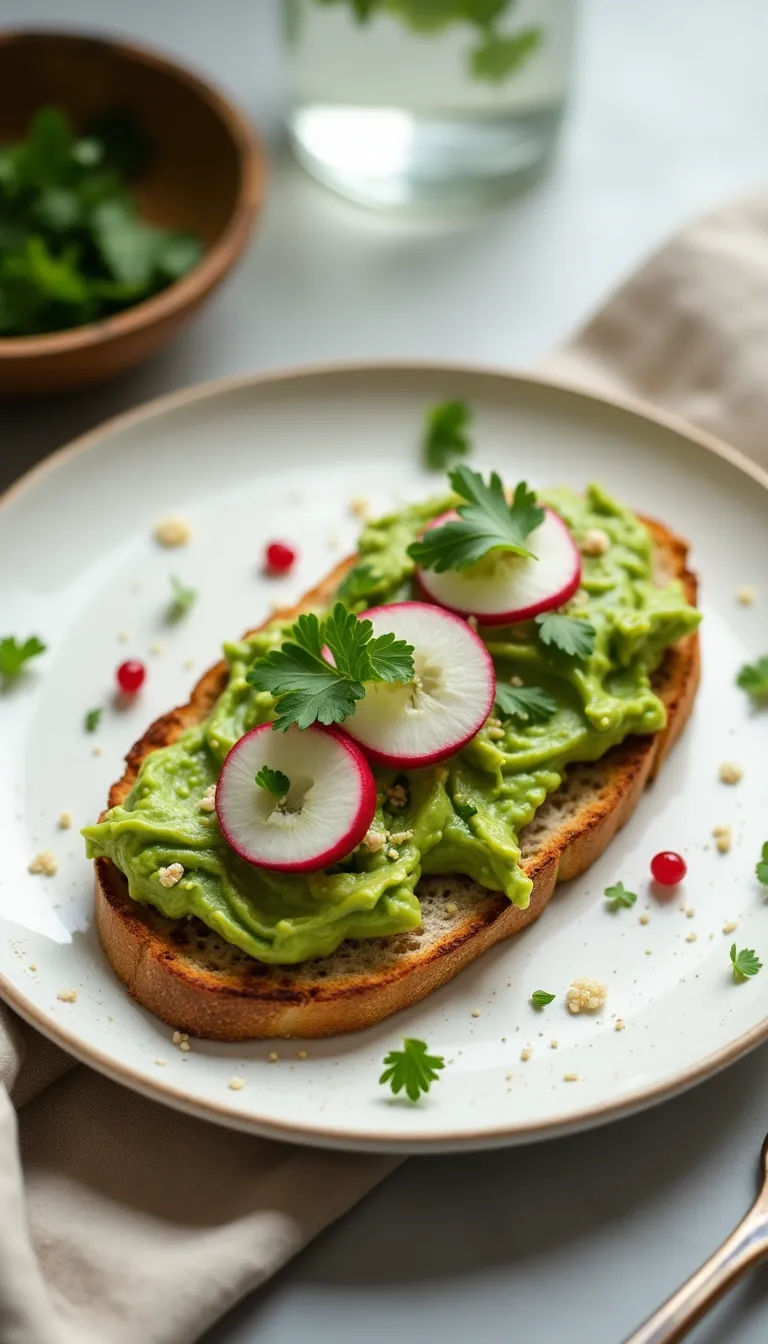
(433, 585)
(469, 643)
(354, 832)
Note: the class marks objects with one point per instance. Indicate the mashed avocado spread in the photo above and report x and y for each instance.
(282, 918)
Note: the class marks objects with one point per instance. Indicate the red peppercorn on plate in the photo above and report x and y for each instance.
(646, 967)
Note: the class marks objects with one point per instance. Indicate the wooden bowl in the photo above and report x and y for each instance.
(207, 175)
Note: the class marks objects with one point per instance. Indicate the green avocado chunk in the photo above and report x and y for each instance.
(465, 814)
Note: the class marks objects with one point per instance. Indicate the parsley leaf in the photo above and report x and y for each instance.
(618, 896)
(13, 654)
(183, 599)
(411, 1068)
(753, 678)
(486, 523)
(274, 781)
(500, 55)
(745, 963)
(573, 637)
(310, 689)
(761, 869)
(541, 998)
(464, 810)
(92, 720)
(529, 703)
(445, 435)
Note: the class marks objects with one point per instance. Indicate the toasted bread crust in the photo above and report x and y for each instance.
(252, 1000)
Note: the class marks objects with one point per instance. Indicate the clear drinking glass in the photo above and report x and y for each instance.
(399, 103)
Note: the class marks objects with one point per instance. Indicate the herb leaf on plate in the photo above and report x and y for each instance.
(761, 868)
(14, 654)
(618, 896)
(411, 1069)
(92, 720)
(541, 997)
(183, 599)
(745, 963)
(445, 436)
(753, 678)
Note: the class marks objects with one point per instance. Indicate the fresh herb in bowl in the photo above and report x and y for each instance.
(73, 248)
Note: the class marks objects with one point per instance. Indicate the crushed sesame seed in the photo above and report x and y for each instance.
(303, 1054)
(475, 1012)
(171, 875)
(32, 966)
(691, 937)
(570, 1077)
(184, 1045)
(690, 912)
(596, 542)
(393, 853)
(397, 796)
(553, 1045)
(746, 596)
(401, 837)
(645, 918)
(67, 995)
(65, 821)
(585, 996)
(44, 862)
(451, 908)
(619, 1026)
(208, 801)
(179, 1037)
(723, 838)
(730, 772)
(172, 531)
(731, 926)
(525, 1053)
(273, 1057)
(237, 1084)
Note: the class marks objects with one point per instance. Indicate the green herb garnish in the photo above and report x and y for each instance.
(540, 998)
(357, 584)
(411, 1069)
(500, 55)
(574, 638)
(309, 689)
(14, 654)
(486, 524)
(529, 703)
(72, 247)
(445, 435)
(182, 601)
(761, 868)
(274, 781)
(753, 678)
(618, 896)
(745, 963)
(93, 719)
(464, 810)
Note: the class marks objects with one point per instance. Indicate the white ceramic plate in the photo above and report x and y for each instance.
(281, 457)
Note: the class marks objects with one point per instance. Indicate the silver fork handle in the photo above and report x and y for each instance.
(745, 1246)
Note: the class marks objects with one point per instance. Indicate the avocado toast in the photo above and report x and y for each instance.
(571, 784)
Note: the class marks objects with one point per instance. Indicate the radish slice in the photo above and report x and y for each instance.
(418, 723)
(504, 588)
(328, 808)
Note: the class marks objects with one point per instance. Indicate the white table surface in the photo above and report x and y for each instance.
(579, 1239)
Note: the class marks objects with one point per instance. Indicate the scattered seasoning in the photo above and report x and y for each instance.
(649, 951)
(65, 821)
(691, 937)
(516, 681)
(730, 772)
(596, 542)
(645, 918)
(181, 1039)
(397, 797)
(475, 1012)
(525, 1053)
(731, 926)
(160, 1063)
(172, 531)
(619, 1026)
(97, 750)
(393, 853)
(401, 837)
(746, 596)
(570, 1077)
(171, 875)
(360, 507)
(553, 1045)
(184, 1045)
(188, 664)
(690, 912)
(32, 966)
(273, 1057)
(156, 649)
(208, 801)
(585, 996)
(123, 637)
(44, 862)
(237, 1084)
(723, 838)
(67, 995)
(303, 1054)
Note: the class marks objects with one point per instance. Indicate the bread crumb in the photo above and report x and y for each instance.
(731, 926)
(375, 840)
(570, 1077)
(67, 995)
(645, 918)
(32, 966)
(525, 1053)
(475, 1012)
(302, 1054)
(65, 821)
(171, 875)
(723, 838)
(746, 596)
(619, 1026)
(585, 996)
(123, 636)
(690, 912)
(360, 507)
(397, 796)
(393, 854)
(451, 908)
(273, 1057)
(184, 1045)
(596, 542)
(208, 801)
(181, 1039)
(44, 862)
(156, 649)
(237, 1084)
(553, 1045)
(731, 772)
(401, 837)
(160, 1063)
(97, 750)
(172, 531)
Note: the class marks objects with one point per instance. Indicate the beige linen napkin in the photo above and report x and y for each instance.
(123, 1221)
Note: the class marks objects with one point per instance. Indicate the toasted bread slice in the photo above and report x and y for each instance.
(187, 975)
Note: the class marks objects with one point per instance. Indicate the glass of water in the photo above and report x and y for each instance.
(426, 103)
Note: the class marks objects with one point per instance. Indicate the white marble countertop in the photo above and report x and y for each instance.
(578, 1239)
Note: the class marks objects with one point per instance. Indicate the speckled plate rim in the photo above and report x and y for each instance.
(379, 1140)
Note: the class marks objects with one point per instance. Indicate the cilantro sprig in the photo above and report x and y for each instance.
(571, 636)
(761, 867)
(745, 963)
(14, 654)
(182, 599)
(531, 704)
(541, 997)
(92, 720)
(617, 896)
(274, 782)
(486, 524)
(411, 1069)
(445, 434)
(753, 678)
(310, 689)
